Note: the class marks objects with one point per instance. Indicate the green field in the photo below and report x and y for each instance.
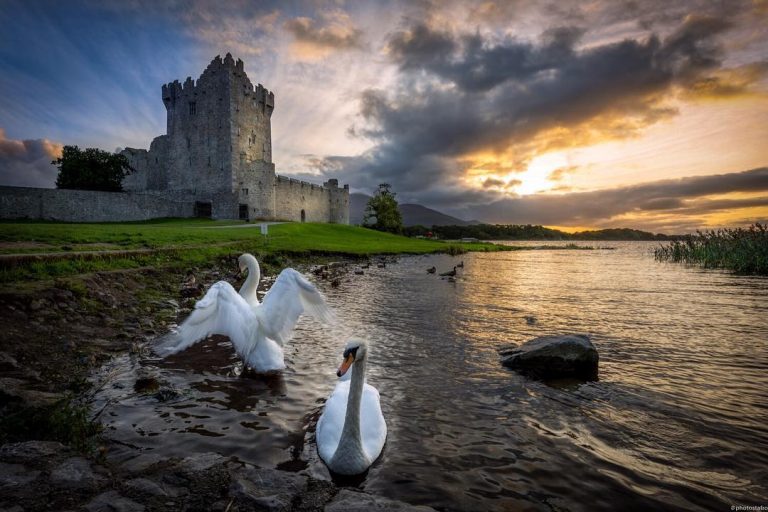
(79, 248)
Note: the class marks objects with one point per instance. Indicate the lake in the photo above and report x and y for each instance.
(678, 418)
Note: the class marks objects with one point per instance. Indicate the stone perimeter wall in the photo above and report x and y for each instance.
(87, 205)
(320, 204)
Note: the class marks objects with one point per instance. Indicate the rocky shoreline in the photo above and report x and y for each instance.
(46, 475)
(52, 455)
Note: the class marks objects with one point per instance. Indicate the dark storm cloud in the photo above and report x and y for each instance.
(472, 63)
(504, 94)
(27, 163)
(682, 197)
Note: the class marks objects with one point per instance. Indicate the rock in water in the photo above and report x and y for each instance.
(547, 357)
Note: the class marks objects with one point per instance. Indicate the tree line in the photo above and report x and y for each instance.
(528, 232)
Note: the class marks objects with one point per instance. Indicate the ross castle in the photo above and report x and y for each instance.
(215, 161)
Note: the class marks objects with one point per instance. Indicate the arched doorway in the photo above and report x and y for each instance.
(303, 215)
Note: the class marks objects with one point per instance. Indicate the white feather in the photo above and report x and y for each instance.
(289, 297)
(373, 428)
(257, 331)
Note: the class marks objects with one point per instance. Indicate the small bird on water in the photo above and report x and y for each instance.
(450, 273)
(431, 270)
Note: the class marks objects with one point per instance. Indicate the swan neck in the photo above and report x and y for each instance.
(350, 434)
(252, 281)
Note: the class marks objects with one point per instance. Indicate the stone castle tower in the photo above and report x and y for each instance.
(218, 153)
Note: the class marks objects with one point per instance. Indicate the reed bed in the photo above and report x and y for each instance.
(743, 250)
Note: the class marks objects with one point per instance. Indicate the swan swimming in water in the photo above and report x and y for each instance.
(258, 331)
(352, 431)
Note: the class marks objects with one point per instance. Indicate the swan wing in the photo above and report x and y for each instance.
(220, 311)
(373, 428)
(331, 423)
(289, 297)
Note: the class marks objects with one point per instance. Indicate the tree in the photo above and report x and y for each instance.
(91, 169)
(383, 208)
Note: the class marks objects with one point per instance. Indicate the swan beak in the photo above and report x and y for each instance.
(345, 365)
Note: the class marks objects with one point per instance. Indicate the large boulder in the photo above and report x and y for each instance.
(548, 357)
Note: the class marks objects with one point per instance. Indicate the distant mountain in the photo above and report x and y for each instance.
(413, 214)
(529, 232)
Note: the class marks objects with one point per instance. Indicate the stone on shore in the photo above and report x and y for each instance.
(76, 473)
(354, 501)
(111, 501)
(266, 489)
(548, 357)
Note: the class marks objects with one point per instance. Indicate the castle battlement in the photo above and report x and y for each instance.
(218, 151)
(219, 69)
(332, 184)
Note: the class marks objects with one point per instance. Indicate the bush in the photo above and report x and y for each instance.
(91, 169)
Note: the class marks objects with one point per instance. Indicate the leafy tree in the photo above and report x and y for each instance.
(383, 208)
(91, 169)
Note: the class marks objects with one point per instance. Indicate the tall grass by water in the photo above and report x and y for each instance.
(743, 250)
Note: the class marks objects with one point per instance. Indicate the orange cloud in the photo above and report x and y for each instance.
(27, 163)
(313, 40)
(729, 83)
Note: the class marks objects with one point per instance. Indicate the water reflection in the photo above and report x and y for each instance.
(678, 418)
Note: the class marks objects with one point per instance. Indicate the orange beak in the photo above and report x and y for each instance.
(345, 365)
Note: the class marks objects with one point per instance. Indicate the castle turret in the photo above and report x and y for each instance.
(218, 152)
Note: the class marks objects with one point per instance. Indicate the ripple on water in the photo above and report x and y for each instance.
(678, 418)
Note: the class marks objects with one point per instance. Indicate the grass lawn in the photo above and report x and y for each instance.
(187, 242)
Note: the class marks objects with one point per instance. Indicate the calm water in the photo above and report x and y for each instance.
(679, 418)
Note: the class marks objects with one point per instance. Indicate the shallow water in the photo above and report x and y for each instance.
(678, 419)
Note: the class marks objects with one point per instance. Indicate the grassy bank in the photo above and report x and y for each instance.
(79, 248)
(742, 250)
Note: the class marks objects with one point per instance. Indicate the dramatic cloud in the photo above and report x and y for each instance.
(508, 100)
(561, 172)
(459, 104)
(27, 163)
(313, 39)
(684, 199)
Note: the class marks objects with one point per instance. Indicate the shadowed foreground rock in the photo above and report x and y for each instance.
(45, 475)
(548, 357)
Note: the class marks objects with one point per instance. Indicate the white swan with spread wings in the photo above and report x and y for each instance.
(258, 331)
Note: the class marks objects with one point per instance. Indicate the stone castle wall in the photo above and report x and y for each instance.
(217, 150)
(319, 204)
(88, 205)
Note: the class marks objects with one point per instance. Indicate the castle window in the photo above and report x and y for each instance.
(209, 161)
(189, 143)
(192, 108)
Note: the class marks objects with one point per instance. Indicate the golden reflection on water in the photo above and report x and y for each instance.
(678, 418)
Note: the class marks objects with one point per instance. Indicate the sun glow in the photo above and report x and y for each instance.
(535, 179)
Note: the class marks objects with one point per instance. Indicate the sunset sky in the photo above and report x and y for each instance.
(591, 114)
